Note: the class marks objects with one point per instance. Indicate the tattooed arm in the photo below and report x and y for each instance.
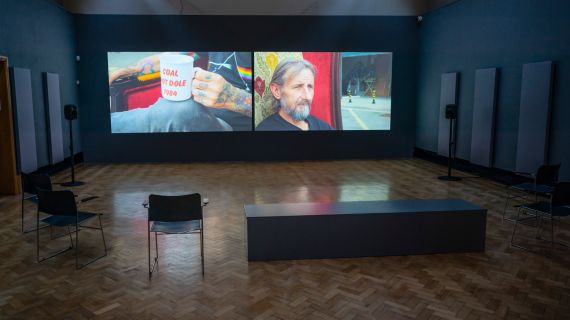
(212, 90)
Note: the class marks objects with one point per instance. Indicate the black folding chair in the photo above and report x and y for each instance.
(544, 180)
(62, 211)
(557, 206)
(30, 185)
(174, 215)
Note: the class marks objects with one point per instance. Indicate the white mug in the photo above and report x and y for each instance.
(176, 73)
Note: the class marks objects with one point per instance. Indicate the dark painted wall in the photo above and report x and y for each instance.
(96, 35)
(506, 34)
(37, 35)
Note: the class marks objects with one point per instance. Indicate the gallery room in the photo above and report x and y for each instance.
(287, 159)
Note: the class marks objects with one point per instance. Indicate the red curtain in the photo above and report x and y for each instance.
(322, 101)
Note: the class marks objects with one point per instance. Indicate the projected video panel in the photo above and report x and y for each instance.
(180, 91)
(320, 91)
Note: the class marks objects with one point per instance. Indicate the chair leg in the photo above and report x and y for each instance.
(202, 248)
(148, 238)
(155, 260)
(22, 212)
(38, 258)
(77, 245)
(52, 255)
(538, 225)
(552, 233)
(70, 238)
(102, 235)
(156, 248)
(515, 230)
(37, 235)
(32, 229)
(507, 198)
(81, 266)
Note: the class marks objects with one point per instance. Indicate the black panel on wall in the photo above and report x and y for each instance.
(53, 111)
(21, 84)
(483, 128)
(534, 116)
(98, 35)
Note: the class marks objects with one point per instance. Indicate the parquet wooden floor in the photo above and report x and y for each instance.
(503, 282)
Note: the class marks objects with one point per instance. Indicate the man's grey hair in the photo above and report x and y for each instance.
(290, 64)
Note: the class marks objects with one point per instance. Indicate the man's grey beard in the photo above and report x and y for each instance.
(299, 114)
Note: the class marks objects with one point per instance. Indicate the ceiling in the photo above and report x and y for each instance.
(254, 7)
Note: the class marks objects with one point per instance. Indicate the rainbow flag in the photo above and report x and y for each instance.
(245, 73)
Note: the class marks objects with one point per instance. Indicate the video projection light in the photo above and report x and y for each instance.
(322, 91)
(249, 91)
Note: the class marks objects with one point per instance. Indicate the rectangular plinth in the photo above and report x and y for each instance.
(363, 228)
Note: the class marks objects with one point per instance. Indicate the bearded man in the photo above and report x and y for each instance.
(293, 88)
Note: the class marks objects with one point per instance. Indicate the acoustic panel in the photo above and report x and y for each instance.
(22, 101)
(448, 96)
(483, 128)
(52, 95)
(534, 117)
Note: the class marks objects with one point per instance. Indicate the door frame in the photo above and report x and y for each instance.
(10, 182)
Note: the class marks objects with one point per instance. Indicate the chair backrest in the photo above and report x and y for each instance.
(34, 181)
(57, 203)
(547, 175)
(561, 195)
(175, 208)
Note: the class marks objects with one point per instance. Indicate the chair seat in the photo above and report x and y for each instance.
(531, 187)
(175, 226)
(31, 197)
(544, 206)
(61, 221)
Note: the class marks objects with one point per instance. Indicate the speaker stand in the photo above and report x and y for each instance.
(72, 183)
(449, 177)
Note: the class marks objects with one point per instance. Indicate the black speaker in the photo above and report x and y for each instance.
(451, 111)
(451, 114)
(70, 112)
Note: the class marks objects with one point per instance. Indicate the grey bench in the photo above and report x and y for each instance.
(363, 228)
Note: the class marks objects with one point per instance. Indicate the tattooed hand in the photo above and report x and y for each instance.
(212, 90)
